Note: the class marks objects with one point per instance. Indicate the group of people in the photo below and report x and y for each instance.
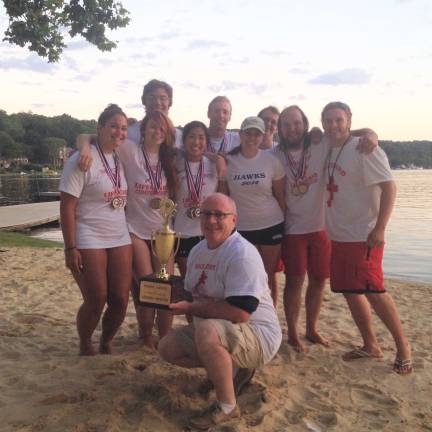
(248, 205)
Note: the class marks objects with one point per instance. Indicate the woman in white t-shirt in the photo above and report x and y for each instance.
(256, 182)
(151, 175)
(199, 176)
(97, 242)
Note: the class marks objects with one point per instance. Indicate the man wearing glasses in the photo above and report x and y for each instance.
(235, 327)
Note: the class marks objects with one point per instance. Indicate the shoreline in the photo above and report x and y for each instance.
(46, 386)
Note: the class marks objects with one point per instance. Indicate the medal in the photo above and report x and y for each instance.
(193, 212)
(117, 202)
(155, 203)
(195, 186)
(303, 188)
(298, 171)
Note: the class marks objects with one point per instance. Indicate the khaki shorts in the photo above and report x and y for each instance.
(240, 340)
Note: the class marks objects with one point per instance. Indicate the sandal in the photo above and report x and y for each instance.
(402, 367)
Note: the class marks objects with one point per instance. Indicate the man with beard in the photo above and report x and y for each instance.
(306, 246)
(219, 114)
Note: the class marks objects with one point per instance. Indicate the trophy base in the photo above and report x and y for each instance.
(159, 294)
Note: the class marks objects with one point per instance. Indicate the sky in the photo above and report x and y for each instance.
(375, 55)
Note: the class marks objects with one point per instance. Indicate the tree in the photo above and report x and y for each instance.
(40, 24)
(8, 148)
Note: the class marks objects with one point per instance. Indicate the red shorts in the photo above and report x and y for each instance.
(307, 253)
(356, 268)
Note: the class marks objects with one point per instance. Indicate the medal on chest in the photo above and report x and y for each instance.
(195, 185)
(155, 176)
(298, 171)
(118, 201)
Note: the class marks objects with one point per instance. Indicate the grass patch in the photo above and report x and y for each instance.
(13, 239)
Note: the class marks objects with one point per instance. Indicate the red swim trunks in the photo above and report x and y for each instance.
(309, 253)
(356, 268)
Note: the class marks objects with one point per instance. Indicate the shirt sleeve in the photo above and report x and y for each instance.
(376, 167)
(73, 179)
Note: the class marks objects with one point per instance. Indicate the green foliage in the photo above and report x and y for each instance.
(12, 239)
(39, 138)
(408, 154)
(40, 25)
(8, 148)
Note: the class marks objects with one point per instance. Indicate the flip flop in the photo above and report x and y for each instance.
(402, 367)
(359, 353)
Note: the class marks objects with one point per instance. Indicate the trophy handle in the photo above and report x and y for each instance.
(177, 247)
(152, 243)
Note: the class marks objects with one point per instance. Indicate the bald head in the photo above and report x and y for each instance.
(218, 219)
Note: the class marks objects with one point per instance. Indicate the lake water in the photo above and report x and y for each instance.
(408, 253)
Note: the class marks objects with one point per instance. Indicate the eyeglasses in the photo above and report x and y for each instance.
(206, 214)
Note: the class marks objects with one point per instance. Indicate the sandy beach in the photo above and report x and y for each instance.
(45, 386)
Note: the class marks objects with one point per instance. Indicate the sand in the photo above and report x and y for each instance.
(46, 386)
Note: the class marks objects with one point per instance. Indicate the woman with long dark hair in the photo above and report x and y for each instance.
(97, 242)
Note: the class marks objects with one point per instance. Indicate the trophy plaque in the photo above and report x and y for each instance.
(161, 289)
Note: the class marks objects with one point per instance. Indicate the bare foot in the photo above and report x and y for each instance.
(316, 338)
(362, 353)
(86, 349)
(296, 344)
(105, 348)
(148, 341)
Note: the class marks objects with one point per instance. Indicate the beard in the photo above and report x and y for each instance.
(293, 144)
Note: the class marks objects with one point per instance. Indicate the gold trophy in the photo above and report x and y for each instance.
(161, 289)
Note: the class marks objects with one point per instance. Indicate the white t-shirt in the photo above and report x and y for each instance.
(354, 210)
(235, 268)
(250, 183)
(134, 134)
(305, 213)
(184, 225)
(230, 140)
(141, 218)
(98, 224)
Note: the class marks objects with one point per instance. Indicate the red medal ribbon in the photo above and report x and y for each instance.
(155, 176)
(195, 185)
(300, 172)
(114, 176)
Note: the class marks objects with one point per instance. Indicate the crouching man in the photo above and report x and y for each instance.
(235, 328)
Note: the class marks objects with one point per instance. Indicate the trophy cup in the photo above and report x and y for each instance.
(161, 289)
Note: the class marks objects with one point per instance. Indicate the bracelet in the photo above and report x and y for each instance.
(69, 248)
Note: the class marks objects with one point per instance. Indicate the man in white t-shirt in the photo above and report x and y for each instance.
(235, 327)
(361, 194)
(306, 247)
(157, 96)
(219, 114)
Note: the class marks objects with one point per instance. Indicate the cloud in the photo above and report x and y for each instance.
(275, 53)
(31, 63)
(40, 105)
(298, 70)
(226, 86)
(229, 86)
(205, 44)
(299, 97)
(354, 76)
(134, 106)
(168, 35)
(189, 85)
(83, 77)
(78, 45)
